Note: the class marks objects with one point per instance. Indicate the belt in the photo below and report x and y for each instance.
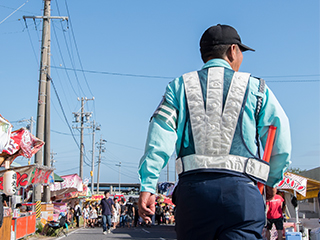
(253, 167)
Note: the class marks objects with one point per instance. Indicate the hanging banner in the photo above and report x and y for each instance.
(31, 174)
(71, 183)
(22, 143)
(5, 131)
(294, 182)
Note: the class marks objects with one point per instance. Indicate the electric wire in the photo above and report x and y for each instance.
(34, 51)
(59, 48)
(121, 174)
(65, 117)
(76, 46)
(59, 78)
(164, 77)
(70, 56)
(14, 12)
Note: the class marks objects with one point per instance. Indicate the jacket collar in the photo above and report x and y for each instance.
(216, 62)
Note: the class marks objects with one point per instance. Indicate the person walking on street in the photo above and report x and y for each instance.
(212, 119)
(107, 206)
(77, 213)
(122, 213)
(130, 213)
(275, 215)
(116, 216)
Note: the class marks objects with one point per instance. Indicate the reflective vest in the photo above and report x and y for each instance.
(213, 123)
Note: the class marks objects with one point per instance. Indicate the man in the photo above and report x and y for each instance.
(77, 213)
(130, 213)
(275, 215)
(107, 206)
(208, 118)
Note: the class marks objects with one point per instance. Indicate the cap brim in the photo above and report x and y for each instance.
(245, 48)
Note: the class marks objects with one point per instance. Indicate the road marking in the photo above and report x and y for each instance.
(162, 239)
(145, 230)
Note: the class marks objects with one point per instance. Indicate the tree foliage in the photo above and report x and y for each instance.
(296, 170)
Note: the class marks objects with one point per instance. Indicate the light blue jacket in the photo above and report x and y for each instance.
(163, 139)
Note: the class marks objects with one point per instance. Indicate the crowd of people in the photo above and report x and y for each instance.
(111, 213)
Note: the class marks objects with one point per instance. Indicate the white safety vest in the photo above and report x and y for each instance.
(213, 126)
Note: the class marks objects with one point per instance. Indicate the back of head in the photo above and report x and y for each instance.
(216, 40)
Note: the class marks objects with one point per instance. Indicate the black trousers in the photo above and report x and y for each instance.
(218, 206)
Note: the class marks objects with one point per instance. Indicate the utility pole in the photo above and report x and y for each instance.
(94, 128)
(52, 161)
(168, 171)
(119, 165)
(43, 113)
(82, 114)
(101, 149)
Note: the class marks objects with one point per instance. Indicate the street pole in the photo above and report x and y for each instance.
(81, 140)
(92, 167)
(46, 157)
(43, 111)
(101, 149)
(82, 114)
(119, 165)
(168, 171)
(43, 88)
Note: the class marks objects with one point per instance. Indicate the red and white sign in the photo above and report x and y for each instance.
(31, 174)
(71, 183)
(21, 143)
(294, 182)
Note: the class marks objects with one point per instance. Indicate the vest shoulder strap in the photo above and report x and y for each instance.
(259, 105)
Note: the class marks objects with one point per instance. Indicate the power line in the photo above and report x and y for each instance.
(65, 117)
(112, 73)
(164, 77)
(59, 48)
(71, 59)
(75, 44)
(14, 12)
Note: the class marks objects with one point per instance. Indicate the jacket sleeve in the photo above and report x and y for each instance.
(160, 144)
(272, 114)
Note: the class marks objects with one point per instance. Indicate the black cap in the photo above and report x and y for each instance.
(221, 34)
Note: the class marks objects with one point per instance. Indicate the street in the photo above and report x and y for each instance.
(154, 232)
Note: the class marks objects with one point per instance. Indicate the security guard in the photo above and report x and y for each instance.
(212, 118)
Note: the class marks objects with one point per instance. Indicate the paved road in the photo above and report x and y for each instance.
(161, 232)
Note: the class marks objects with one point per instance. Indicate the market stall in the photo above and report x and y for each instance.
(295, 188)
(13, 144)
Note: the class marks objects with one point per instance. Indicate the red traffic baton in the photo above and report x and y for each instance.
(268, 150)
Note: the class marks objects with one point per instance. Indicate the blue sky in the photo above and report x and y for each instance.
(130, 50)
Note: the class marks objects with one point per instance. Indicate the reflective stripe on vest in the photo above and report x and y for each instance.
(213, 127)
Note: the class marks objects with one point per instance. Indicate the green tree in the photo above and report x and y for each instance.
(296, 170)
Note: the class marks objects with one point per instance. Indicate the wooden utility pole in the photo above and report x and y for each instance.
(84, 116)
(101, 149)
(43, 113)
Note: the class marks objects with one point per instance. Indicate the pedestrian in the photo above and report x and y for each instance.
(122, 213)
(107, 206)
(77, 213)
(93, 216)
(136, 214)
(130, 213)
(85, 214)
(211, 119)
(158, 213)
(116, 215)
(275, 215)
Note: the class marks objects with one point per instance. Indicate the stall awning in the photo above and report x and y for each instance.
(71, 183)
(306, 187)
(57, 178)
(30, 174)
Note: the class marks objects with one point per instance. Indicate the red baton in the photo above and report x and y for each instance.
(268, 150)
